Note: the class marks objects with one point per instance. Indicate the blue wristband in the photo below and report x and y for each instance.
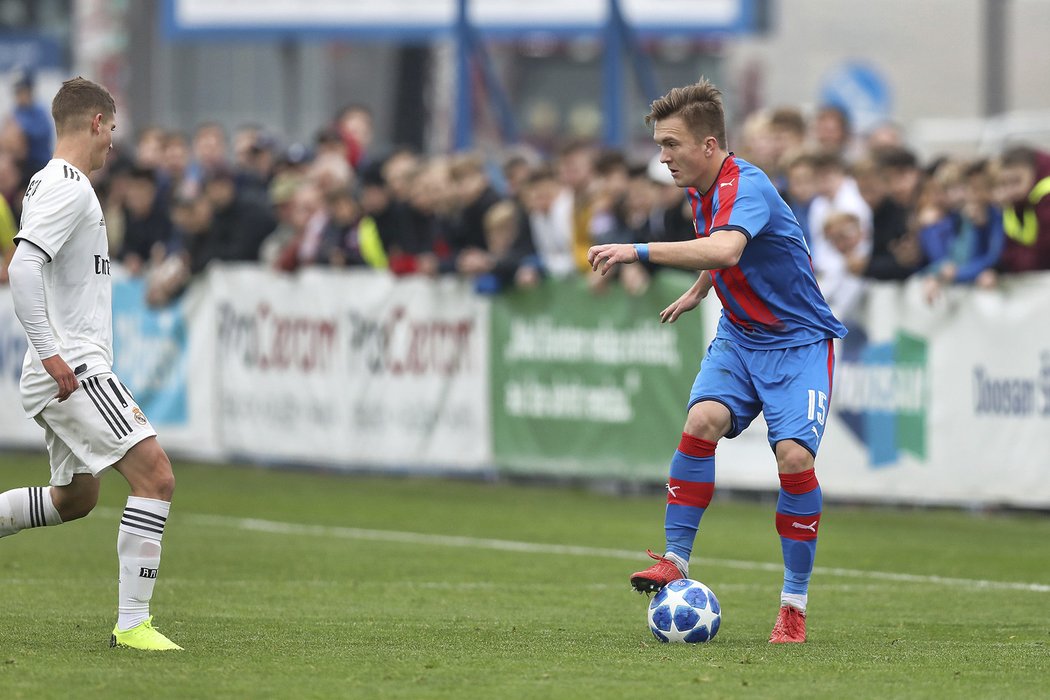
(643, 251)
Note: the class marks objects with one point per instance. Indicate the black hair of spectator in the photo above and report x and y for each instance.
(977, 168)
(638, 170)
(24, 78)
(934, 165)
(327, 136)
(353, 107)
(221, 174)
(372, 175)
(543, 173)
(609, 160)
(839, 113)
(897, 158)
(341, 194)
(265, 142)
(138, 172)
(1019, 155)
(575, 146)
(828, 160)
(789, 118)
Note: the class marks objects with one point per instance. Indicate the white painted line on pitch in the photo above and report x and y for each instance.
(353, 533)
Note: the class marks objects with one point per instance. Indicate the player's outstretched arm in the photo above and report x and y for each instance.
(720, 250)
(689, 300)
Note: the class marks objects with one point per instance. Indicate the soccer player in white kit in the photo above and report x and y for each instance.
(61, 286)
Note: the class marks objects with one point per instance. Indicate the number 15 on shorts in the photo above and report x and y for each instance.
(818, 402)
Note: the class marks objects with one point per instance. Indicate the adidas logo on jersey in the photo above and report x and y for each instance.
(70, 173)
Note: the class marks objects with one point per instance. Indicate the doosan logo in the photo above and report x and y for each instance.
(881, 391)
(1012, 396)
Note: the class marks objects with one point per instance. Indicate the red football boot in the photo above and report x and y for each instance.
(790, 627)
(656, 576)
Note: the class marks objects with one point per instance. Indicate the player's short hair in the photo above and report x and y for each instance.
(700, 107)
(80, 98)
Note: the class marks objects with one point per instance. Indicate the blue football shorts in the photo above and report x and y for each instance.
(790, 386)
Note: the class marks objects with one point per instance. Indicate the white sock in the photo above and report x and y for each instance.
(27, 507)
(795, 600)
(138, 550)
(682, 564)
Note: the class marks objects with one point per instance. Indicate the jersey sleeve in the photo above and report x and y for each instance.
(50, 213)
(741, 208)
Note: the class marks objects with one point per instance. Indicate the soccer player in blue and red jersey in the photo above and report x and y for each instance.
(773, 350)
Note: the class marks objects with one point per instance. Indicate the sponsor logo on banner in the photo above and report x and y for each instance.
(150, 352)
(352, 369)
(591, 383)
(398, 344)
(266, 340)
(1012, 396)
(881, 393)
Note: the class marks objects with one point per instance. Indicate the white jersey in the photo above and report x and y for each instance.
(62, 216)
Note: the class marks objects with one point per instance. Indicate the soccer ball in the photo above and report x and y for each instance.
(685, 611)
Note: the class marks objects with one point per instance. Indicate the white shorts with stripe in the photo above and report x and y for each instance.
(91, 430)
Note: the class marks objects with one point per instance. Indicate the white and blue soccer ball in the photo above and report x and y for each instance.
(685, 611)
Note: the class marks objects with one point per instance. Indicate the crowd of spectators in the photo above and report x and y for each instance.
(870, 209)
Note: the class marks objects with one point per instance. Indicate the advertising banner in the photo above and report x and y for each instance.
(591, 383)
(944, 403)
(351, 369)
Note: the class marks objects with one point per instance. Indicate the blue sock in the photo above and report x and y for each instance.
(798, 518)
(689, 492)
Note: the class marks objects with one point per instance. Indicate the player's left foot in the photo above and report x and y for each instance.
(790, 627)
(142, 636)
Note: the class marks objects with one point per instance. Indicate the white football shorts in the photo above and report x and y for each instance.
(91, 430)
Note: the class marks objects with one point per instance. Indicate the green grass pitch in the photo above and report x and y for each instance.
(302, 585)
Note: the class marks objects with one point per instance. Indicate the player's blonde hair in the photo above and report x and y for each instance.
(700, 107)
(77, 99)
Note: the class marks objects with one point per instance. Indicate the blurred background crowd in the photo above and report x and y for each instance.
(175, 201)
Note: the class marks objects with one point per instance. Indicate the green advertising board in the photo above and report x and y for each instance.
(591, 383)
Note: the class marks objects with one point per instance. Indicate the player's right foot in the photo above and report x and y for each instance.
(142, 636)
(656, 576)
(790, 627)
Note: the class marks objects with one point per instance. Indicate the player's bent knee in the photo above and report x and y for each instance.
(148, 471)
(792, 457)
(708, 420)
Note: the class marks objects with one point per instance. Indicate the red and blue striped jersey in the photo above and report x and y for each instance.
(770, 298)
